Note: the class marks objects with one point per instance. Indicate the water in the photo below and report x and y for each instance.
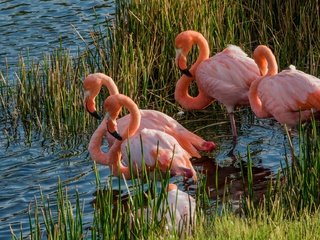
(28, 166)
(37, 27)
(31, 28)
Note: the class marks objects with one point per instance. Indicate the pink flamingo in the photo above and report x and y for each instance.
(288, 96)
(226, 76)
(179, 208)
(150, 119)
(92, 85)
(157, 148)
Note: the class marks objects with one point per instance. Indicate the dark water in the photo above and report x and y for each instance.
(37, 26)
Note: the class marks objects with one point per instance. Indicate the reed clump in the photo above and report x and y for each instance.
(136, 48)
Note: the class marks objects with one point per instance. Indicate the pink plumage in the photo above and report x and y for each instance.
(225, 77)
(158, 148)
(149, 118)
(152, 119)
(179, 208)
(288, 96)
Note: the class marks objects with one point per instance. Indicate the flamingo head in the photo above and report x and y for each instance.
(91, 86)
(112, 109)
(183, 45)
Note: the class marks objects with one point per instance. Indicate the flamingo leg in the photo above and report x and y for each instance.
(233, 128)
(290, 138)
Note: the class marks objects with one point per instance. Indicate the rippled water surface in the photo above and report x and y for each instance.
(31, 28)
(37, 26)
(27, 166)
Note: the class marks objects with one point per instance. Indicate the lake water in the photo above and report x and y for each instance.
(31, 28)
(37, 27)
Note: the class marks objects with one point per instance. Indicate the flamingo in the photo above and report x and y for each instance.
(149, 146)
(225, 77)
(289, 96)
(179, 208)
(150, 119)
(92, 85)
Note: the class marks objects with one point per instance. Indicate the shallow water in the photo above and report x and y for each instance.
(28, 166)
(32, 28)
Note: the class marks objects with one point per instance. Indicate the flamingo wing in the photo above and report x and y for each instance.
(286, 94)
(153, 119)
(156, 147)
(227, 76)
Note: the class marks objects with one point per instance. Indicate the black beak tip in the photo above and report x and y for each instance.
(186, 72)
(116, 135)
(95, 115)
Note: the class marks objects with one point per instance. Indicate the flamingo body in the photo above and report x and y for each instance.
(156, 147)
(179, 208)
(149, 118)
(152, 119)
(289, 96)
(159, 146)
(227, 76)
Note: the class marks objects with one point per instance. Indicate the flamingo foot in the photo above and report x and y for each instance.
(208, 146)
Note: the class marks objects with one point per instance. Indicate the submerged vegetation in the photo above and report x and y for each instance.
(136, 49)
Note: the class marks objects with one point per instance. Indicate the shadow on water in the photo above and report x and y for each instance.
(220, 178)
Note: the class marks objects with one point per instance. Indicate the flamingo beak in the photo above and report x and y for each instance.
(90, 105)
(178, 56)
(94, 113)
(114, 133)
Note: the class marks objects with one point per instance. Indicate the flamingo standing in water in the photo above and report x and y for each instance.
(153, 147)
(150, 119)
(226, 76)
(289, 96)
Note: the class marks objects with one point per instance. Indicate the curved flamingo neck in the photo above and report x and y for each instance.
(265, 59)
(255, 101)
(95, 143)
(182, 96)
(113, 105)
(92, 85)
(108, 83)
(204, 49)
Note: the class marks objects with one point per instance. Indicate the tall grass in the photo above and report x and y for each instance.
(117, 214)
(136, 48)
(288, 210)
